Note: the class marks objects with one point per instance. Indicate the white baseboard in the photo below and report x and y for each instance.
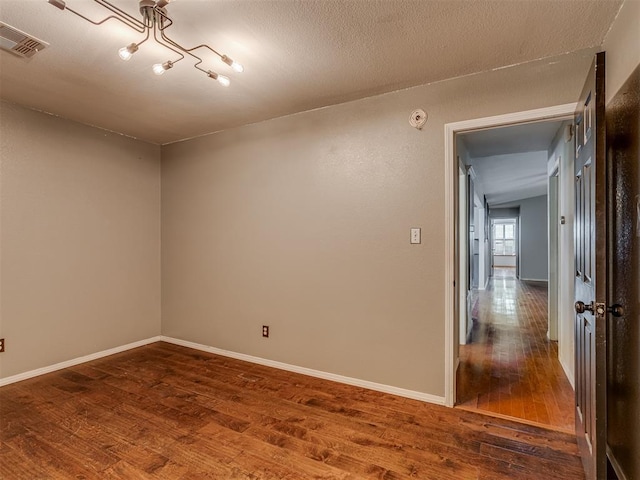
(401, 392)
(75, 361)
(568, 372)
(534, 280)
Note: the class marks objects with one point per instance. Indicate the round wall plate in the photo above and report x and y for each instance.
(418, 118)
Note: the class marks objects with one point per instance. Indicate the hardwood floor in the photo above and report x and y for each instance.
(169, 412)
(510, 367)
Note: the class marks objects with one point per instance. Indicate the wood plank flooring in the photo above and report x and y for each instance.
(510, 367)
(169, 412)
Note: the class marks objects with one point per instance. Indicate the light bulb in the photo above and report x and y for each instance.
(126, 52)
(222, 80)
(235, 65)
(160, 68)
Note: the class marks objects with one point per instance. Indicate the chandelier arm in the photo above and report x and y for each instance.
(165, 18)
(145, 39)
(197, 63)
(138, 28)
(187, 51)
(155, 37)
(120, 12)
(205, 46)
(177, 45)
(201, 69)
(173, 42)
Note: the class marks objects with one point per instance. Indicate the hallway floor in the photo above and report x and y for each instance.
(510, 367)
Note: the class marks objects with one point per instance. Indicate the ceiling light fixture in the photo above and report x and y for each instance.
(160, 68)
(156, 20)
(222, 80)
(127, 52)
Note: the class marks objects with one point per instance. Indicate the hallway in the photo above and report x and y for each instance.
(510, 367)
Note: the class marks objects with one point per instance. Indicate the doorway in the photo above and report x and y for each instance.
(502, 239)
(503, 244)
(509, 365)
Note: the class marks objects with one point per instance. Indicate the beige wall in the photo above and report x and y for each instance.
(302, 223)
(622, 45)
(80, 249)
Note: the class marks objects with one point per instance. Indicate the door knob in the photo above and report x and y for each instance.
(581, 307)
(616, 310)
(599, 309)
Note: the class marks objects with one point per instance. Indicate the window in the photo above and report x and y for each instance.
(504, 242)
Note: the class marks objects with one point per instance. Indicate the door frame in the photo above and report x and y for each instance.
(463, 252)
(553, 232)
(452, 323)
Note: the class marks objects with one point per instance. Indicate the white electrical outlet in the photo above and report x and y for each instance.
(415, 235)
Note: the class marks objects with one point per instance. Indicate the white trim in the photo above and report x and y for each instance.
(567, 372)
(76, 361)
(450, 130)
(451, 167)
(472, 173)
(553, 170)
(534, 280)
(402, 392)
(538, 114)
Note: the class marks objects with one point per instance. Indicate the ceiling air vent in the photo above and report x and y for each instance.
(19, 43)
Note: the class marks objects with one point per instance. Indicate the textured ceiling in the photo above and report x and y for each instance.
(511, 162)
(529, 137)
(298, 55)
(508, 178)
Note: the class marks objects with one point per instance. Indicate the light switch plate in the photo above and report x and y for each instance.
(415, 235)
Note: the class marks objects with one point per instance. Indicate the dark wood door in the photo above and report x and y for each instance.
(623, 332)
(590, 265)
